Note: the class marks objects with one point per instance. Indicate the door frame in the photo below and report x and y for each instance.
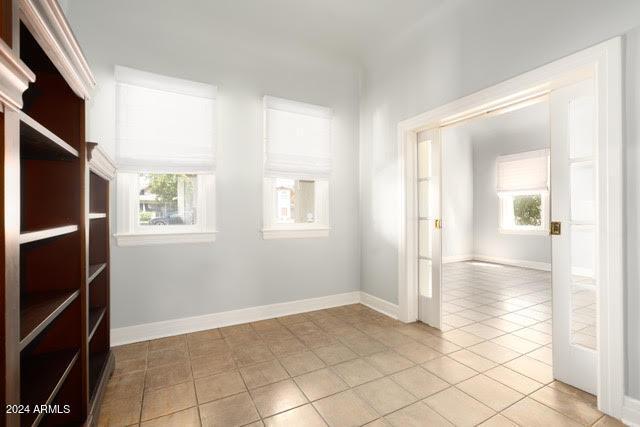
(604, 62)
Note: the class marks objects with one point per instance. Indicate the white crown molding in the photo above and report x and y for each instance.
(102, 164)
(48, 25)
(379, 305)
(631, 411)
(15, 77)
(147, 331)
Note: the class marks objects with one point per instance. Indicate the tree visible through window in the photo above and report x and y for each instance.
(527, 210)
(167, 199)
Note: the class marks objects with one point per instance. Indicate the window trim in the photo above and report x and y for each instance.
(128, 209)
(148, 239)
(542, 230)
(303, 231)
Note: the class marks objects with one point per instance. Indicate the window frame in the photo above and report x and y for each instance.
(541, 230)
(131, 233)
(321, 228)
(272, 229)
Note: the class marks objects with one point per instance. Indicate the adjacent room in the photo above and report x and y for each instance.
(320, 213)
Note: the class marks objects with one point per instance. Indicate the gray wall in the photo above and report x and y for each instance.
(466, 47)
(457, 193)
(154, 283)
(632, 229)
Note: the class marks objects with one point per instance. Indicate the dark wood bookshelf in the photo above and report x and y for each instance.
(44, 376)
(99, 355)
(97, 367)
(38, 142)
(47, 233)
(38, 310)
(95, 270)
(55, 329)
(95, 317)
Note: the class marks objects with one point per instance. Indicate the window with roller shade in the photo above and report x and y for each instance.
(165, 154)
(523, 191)
(297, 168)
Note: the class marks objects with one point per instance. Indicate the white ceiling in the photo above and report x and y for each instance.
(352, 28)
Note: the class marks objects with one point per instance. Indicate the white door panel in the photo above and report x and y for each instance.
(574, 202)
(429, 239)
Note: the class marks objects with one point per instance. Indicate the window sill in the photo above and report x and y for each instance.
(295, 232)
(142, 239)
(524, 232)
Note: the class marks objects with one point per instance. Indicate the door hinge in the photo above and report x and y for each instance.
(555, 228)
(438, 224)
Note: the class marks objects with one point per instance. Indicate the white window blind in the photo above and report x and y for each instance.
(297, 139)
(523, 172)
(164, 124)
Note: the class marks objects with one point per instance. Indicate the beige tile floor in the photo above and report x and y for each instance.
(351, 366)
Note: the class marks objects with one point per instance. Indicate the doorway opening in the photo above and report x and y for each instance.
(496, 247)
(582, 293)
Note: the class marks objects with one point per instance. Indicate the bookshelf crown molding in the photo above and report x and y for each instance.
(15, 77)
(101, 164)
(47, 23)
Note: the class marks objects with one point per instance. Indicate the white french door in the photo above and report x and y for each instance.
(429, 262)
(574, 212)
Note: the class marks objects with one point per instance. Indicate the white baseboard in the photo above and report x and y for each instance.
(457, 258)
(378, 304)
(166, 328)
(514, 262)
(631, 411)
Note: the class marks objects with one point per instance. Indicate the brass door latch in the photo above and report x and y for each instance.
(555, 228)
(438, 224)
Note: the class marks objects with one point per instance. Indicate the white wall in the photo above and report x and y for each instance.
(466, 47)
(457, 194)
(155, 283)
(632, 232)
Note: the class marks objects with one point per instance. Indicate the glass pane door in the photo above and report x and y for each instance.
(428, 216)
(575, 250)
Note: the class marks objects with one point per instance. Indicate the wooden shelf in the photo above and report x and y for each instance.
(37, 311)
(97, 215)
(42, 377)
(47, 233)
(95, 270)
(97, 364)
(38, 142)
(95, 317)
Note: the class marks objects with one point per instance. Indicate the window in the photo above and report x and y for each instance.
(167, 199)
(165, 154)
(523, 190)
(297, 169)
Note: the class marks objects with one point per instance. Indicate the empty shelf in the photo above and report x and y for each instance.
(47, 233)
(95, 317)
(94, 271)
(38, 310)
(42, 377)
(38, 142)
